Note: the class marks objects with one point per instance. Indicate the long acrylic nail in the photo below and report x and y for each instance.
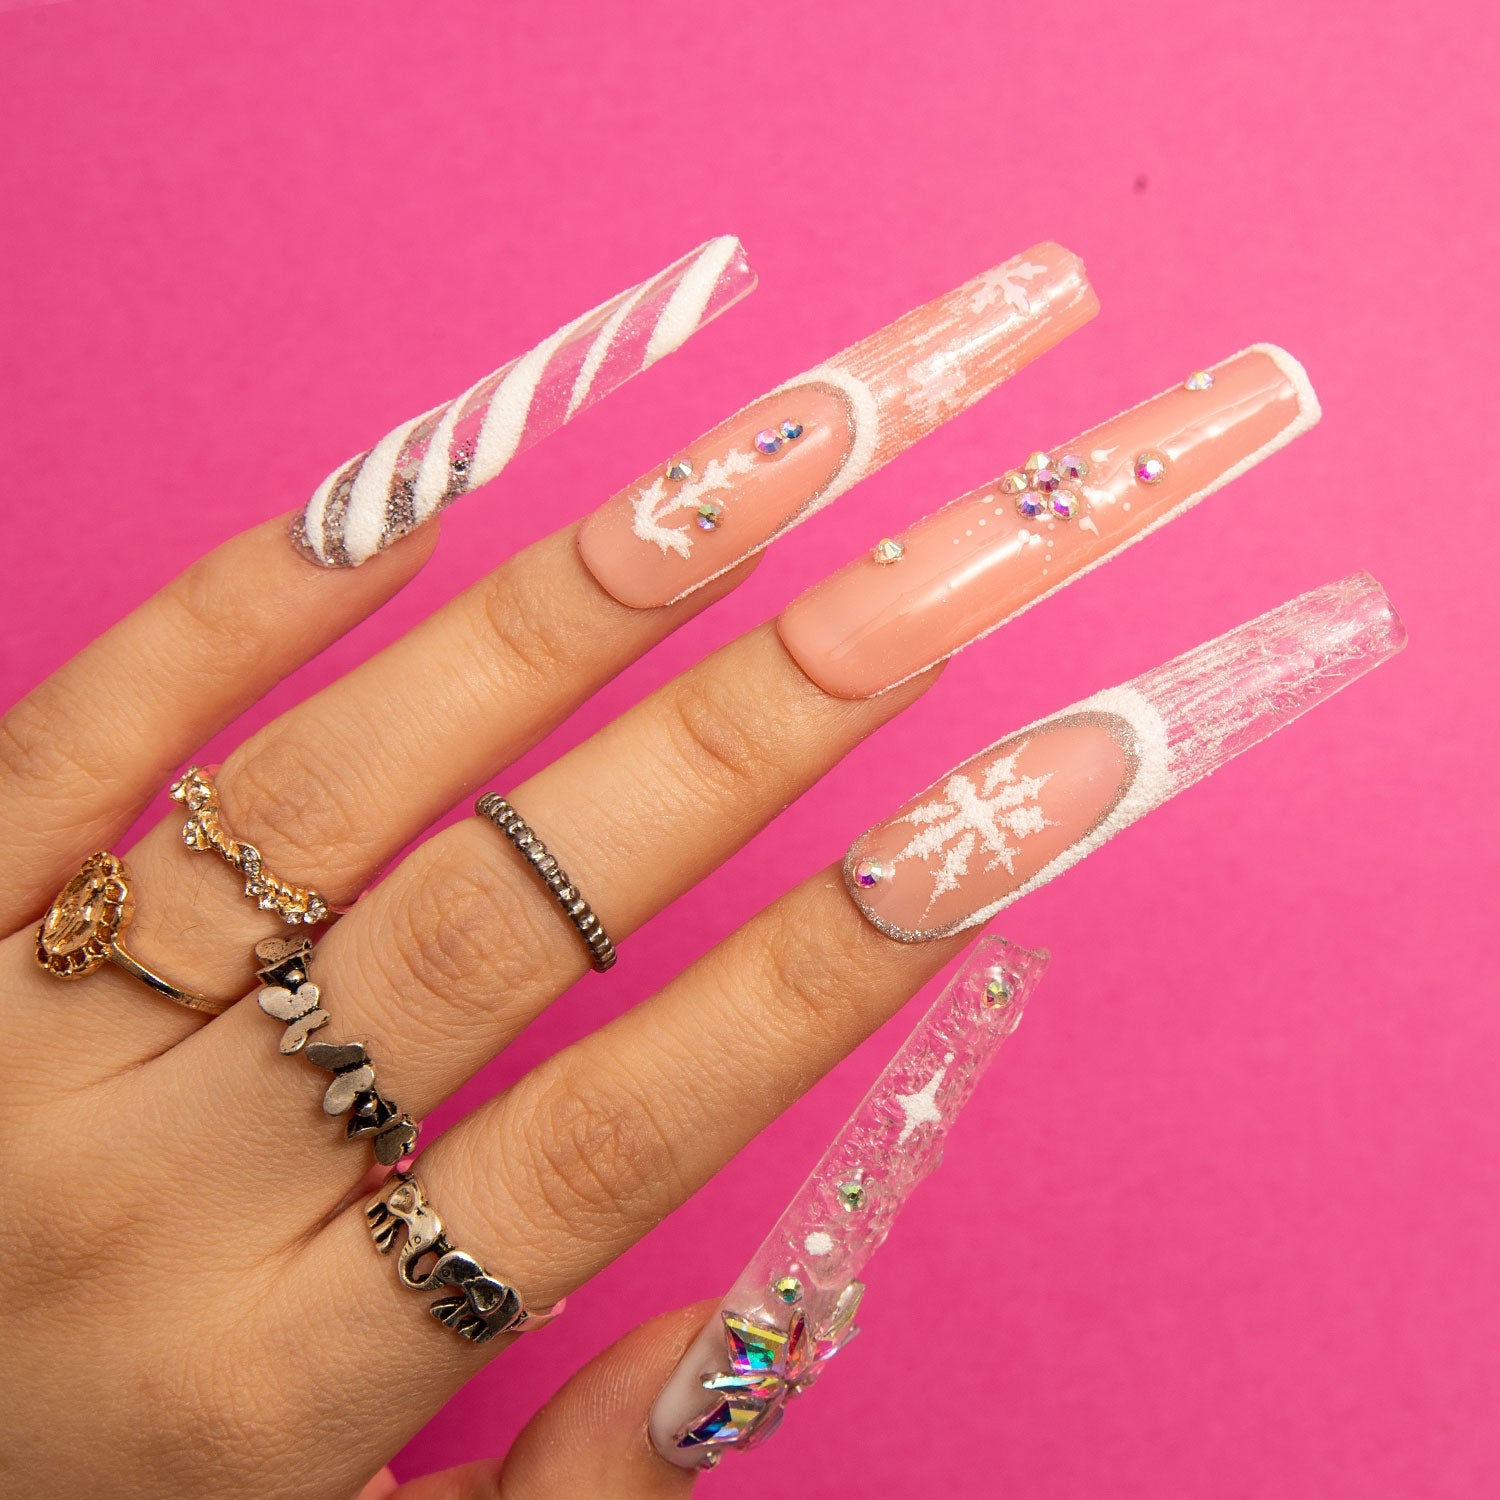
(715, 502)
(955, 576)
(428, 462)
(793, 1307)
(1033, 805)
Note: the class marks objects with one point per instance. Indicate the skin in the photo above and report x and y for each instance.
(197, 1302)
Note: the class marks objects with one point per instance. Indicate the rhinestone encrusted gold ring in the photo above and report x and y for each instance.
(205, 830)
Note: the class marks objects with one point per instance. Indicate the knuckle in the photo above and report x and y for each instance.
(601, 1159)
(39, 752)
(812, 978)
(521, 629)
(458, 938)
(302, 797)
(716, 731)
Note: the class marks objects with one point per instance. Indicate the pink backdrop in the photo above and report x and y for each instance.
(1223, 1221)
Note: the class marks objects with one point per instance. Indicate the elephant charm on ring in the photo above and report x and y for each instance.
(480, 1306)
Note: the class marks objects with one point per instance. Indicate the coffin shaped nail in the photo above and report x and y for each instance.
(428, 462)
(794, 1305)
(715, 502)
(955, 576)
(1034, 804)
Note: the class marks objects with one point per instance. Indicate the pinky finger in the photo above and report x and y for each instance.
(589, 1439)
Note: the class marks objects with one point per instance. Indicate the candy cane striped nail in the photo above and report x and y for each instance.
(427, 463)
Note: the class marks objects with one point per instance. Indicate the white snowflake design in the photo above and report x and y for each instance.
(663, 498)
(939, 385)
(990, 818)
(1002, 283)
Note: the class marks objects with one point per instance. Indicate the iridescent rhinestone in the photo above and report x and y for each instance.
(791, 431)
(787, 1289)
(1030, 505)
(998, 992)
(679, 468)
(888, 551)
(1199, 380)
(869, 872)
(768, 440)
(852, 1195)
(1015, 482)
(1045, 480)
(708, 516)
(1071, 466)
(1150, 467)
(1038, 461)
(1066, 505)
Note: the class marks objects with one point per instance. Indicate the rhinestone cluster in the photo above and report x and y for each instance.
(770, 439)
(1041, 486)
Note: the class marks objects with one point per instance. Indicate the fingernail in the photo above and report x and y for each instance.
(1030, 807)
(793, 1307)
(955, 576)
(715, 502)
(428, 462)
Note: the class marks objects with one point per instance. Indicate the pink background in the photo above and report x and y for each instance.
(1224, 1220)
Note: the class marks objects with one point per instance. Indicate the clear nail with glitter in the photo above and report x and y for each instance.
(794, 1306)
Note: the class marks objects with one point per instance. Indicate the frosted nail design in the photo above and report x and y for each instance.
(963, 571)
(793, 1307)
(1031, 806)
(715, 502)
(428, 462)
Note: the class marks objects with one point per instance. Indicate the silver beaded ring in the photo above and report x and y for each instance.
(601, 950)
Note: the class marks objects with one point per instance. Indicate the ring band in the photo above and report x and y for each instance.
(83, 928)
(288, 995)
(479, 1306)
(494, 807)
(205, 829)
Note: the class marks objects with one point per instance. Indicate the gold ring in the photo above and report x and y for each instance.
(205, 829)
(82, 929)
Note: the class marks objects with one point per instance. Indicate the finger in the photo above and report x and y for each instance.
(333, 788)
(336, 787)
(589, 1439)
(84, 752)
(549, 1182)
(463, 946)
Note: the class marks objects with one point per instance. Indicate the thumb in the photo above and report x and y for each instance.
(590, 1438)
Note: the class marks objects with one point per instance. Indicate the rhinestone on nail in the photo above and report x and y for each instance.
(1150, 467)
(1066, 505)
(1199, 380)
(679, 468)
(1015, 483)
(768, 440)
(1031, 505)
(852, 1196)
(791, 431)
(708, 516)
(1038, 461)
(998, 992)
(1071, 466)
(787, 1289)
(887, 550)
(869, 872)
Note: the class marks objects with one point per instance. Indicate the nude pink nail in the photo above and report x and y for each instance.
(718, 501)
(1030, 807)
(963, 571)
